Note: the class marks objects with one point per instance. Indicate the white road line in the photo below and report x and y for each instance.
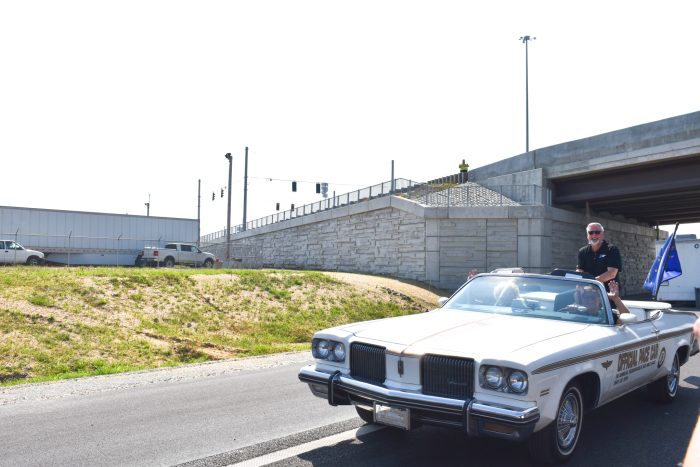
(306, 447)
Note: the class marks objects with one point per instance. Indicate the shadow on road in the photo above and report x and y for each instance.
(631, 431)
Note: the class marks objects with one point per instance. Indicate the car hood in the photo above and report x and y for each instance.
(461, 331)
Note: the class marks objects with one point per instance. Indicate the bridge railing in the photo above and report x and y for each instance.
(443, 192)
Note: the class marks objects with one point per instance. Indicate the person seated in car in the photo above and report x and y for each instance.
(505, 293)
(588, 301)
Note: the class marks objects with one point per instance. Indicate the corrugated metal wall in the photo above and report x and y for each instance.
(59, 233)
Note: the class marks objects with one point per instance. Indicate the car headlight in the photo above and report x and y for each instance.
(339, 352)
(326, 349)
(503, 379)
(320, 348)
(493, 377)
(517, 381)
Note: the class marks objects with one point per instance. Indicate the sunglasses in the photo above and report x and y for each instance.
(594, 232)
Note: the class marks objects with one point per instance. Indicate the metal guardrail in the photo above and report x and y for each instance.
(448, 191)
(374, 191)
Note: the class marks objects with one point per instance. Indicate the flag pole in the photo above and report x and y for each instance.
(662, 266)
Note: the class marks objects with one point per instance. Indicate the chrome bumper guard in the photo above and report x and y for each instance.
(476, 418)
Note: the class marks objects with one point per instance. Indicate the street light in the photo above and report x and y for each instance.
(228, 216)
(525, 40)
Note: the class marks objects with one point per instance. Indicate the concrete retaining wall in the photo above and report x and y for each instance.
(396, 237)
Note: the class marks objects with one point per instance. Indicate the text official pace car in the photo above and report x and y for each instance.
(513, 356)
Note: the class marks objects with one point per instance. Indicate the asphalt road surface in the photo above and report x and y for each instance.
(256, 412)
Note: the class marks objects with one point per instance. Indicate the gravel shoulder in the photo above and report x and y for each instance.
(53, 390)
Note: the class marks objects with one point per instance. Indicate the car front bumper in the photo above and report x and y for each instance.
(476, 418)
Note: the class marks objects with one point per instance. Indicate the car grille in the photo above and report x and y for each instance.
(447, 376)
(367, 362)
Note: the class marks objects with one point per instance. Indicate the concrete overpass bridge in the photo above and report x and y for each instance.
(647, 173)
(630, 180)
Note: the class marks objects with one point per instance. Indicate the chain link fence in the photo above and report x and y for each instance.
(72, 250)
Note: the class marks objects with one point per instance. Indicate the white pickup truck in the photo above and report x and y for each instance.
(12, 252)
(175, 253)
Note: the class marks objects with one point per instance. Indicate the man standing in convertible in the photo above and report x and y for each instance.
(599, 258)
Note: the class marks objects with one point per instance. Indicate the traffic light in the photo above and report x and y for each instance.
(294, 186)
(324, 189)
(222, 192)
(318, 188)
(292, 206)
(278, 206)
(213, 196)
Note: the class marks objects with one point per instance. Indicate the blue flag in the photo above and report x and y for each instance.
(666, 266)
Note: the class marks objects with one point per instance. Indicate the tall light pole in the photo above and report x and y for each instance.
(525, 40)
(228, 216)
(245, 190)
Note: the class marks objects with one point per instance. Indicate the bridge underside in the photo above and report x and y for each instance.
(655, 194)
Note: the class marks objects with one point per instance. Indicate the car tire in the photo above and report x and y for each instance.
(169, 262)
(208, 263)
(556, 443)
(33, 261)
(366, 415)
(664, 390)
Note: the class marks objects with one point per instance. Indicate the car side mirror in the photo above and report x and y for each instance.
(628, 318)
(442, 301)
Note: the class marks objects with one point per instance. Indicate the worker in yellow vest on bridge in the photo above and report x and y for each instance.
(463, 169)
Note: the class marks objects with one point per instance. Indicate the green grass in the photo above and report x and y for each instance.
(58, 323)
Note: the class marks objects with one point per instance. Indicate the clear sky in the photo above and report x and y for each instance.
(103, 103)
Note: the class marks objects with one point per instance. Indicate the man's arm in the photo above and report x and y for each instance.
(608, 275)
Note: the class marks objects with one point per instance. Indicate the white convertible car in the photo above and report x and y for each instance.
(513, 356)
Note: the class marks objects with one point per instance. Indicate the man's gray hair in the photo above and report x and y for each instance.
(596, 224)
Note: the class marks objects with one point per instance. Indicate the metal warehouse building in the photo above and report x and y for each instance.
(92, 238)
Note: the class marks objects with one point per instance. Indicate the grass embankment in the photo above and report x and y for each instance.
(58, 323)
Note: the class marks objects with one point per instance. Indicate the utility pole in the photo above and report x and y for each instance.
(245, 189)
(199, 210)
(228, 216)
(525, 40)
(148, 206)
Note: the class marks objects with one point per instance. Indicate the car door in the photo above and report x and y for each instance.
(3, 252)
(634, 361)
(197, 256)
(186, 255)
(16, 253)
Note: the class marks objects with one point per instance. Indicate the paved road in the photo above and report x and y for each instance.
(225, 413)
(159, 418)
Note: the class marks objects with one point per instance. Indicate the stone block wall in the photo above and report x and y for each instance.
(438, 246)
(384, 240)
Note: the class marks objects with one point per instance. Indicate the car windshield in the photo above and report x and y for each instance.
(548, 297)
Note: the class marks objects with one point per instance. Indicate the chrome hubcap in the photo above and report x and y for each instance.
(567, 421)
(672, 378)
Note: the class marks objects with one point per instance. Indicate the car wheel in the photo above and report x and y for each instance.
(32, 261)
(664, 390)
(366, 415)
(208, 263)
(169, 262)
(556, 443)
